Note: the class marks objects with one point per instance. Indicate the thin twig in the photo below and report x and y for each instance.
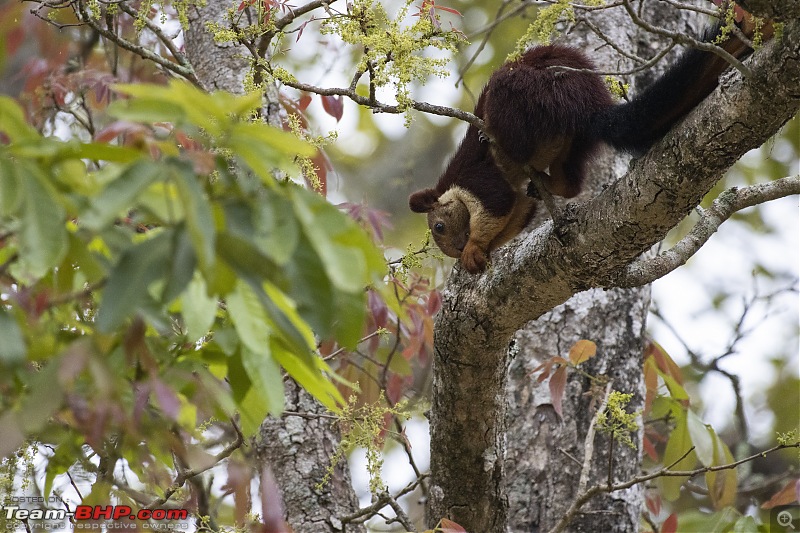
(588, 442)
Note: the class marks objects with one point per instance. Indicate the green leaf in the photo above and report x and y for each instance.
(276, 230)
(43, 399)
(350, 259)
(722, 484)
(257, 317)
(198, 309)
(12, 119)
(265, 376)
(119, 196)
(83, 260)
(100, 152)
(178, 102)
(313, 292)
(130, 278)
(285, 309)
(10, 191)
(746, 524)
(59, 463)
(251, 405)
(42, 235)
(702, 438)
(281, 141)
(311, 379)
(678, 444)
(349, 322)
(246, 260)
(199, 219)
(12, 347)
(181, 266)
(249, 318)
(264, 148)
(146, 110)
(676, 390)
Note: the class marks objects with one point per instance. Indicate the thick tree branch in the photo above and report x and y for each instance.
(645, 271)
(602, 236)
(778, 10)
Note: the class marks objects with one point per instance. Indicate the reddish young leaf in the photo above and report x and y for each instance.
(434, 302)
(271, 504)
(448, 526)
(323, 165)
(558, 382)
(649, 448)
(167, 399)
(334, 106)
(664, 361)
(238, 484)
(650, 383)
(378, 309)
(117, 128)
(303, 102)
(786, 496)
(670, 525)
(653, 503)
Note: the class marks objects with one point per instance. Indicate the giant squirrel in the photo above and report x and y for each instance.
(551, 120)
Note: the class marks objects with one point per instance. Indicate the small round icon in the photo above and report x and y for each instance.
(785, 519)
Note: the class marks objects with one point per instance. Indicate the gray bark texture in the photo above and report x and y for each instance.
(501, 460)
(297, 450)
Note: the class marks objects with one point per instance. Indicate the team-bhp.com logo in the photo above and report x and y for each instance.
(94, 512)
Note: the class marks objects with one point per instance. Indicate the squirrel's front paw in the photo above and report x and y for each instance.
(473, 258)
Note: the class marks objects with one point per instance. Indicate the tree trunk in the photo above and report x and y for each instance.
(297, 450)
(546, 455)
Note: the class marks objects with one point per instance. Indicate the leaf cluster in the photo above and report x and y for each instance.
(150, 290)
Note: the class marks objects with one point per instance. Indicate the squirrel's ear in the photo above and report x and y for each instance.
(422, 201)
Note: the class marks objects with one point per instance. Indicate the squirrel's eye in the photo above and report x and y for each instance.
(438, 227)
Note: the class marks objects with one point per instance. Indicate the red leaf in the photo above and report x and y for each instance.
(238, 484)
(650, 449)
(653, 504)
(448, 526)
(397, 387)
(650, 382)
(378, 309)
(303, 102)
(449, 10)
(670, 525)
(334, 106)
(323, 165)
(14, 39)
(167, 399)
(271, 504)
(786, 496)
(434, 302)
(558, 383)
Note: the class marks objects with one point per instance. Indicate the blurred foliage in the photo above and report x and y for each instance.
(150, 292)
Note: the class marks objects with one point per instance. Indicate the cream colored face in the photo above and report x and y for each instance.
(449, 223)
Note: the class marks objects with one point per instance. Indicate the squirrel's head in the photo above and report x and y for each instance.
(448, 218)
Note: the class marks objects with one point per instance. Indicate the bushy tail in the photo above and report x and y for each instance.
(636, 125)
